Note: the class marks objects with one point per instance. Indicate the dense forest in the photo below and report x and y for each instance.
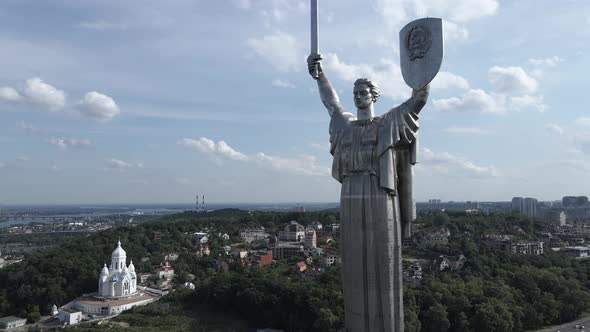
(494, 291)
(58, 275)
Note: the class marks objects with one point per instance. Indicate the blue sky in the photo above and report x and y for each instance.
(151, 101)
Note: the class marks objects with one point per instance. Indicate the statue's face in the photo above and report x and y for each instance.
(362, 96)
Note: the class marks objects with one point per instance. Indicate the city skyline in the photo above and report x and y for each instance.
(104, 102)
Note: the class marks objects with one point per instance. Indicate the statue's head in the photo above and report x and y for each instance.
(365, 93)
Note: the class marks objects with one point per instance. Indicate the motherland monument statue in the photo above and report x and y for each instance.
(373, 159)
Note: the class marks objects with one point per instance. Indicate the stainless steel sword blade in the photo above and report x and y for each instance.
(314, 27)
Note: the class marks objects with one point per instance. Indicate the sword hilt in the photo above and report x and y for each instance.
(315, 73)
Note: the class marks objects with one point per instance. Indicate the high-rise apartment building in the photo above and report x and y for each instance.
(526, 206)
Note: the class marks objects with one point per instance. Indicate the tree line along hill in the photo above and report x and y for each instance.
(494, 291)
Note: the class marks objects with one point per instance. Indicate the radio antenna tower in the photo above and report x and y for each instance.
(203, 204)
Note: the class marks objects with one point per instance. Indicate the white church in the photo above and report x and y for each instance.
(120, 280)
(117, 289)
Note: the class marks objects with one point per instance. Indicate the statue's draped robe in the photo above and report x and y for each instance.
(370, 159)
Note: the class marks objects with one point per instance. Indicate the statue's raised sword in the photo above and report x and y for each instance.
(314, 33)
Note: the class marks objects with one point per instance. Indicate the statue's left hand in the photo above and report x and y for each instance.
(422, 93)
(425, 90)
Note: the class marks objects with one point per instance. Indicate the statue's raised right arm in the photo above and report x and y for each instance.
(327, 92)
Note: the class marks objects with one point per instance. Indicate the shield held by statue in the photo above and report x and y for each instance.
(421, 51)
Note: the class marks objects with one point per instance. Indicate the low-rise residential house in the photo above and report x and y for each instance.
(69, 316)
(11, 322)
(253, 234)
(240, 253)
(412, 273)
(572, 239)
(143, 277)
(202, 250)
(436, 236)
(200, 237)
(224, 236)
(443, 263)
(300, 266)
(330, 259)
(577, 251)
(262, 258)
(227, 249)
(332, 228)
(171, 257)
(316, 225)
(166, 271)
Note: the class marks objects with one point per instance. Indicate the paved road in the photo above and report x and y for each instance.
(570, 327)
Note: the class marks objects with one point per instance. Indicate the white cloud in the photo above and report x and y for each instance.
(281, 49)
(321, 146)
(472, 100)
(583, 121)
(64, 143)
(519, 103)
(29, 128)
(513, 89)
(282, 83)
(243, 4)
(454, 165)
(455, 13)
(453, 31)
(2, 165)
(278, 10)
(117, 163)
(44, 94)
(182, 181)
(121, 165)
(553, 128)
(397, 12)
(512, 80)
(212, 148)
(303, 165)
(539, 65)
(386, 74)
(101, 25)
(10, 94)
(448, 80)
(574, 164)
(98, 106)
(546, 62)
(466, 131)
